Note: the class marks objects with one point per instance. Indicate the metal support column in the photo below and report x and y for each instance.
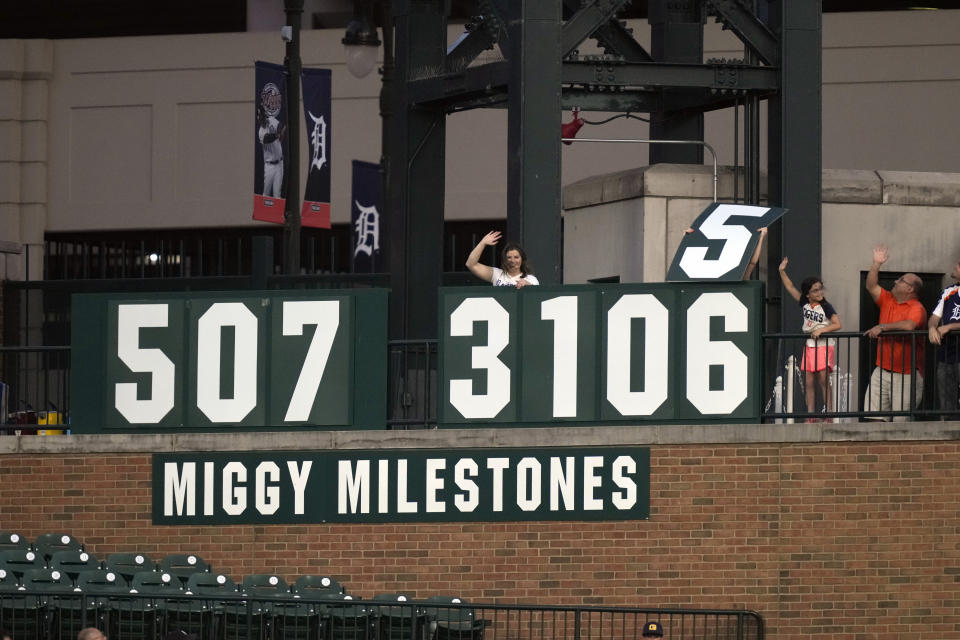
(533, 134)
(794, 139)
(415, 172)
(676, 35)
(294, 10)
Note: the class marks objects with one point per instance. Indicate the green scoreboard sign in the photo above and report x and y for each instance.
(600, 354)
(237, 360)
(468, 485)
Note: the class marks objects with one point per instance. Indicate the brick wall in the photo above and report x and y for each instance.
(848, 539)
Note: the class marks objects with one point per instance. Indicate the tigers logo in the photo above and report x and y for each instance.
(271, 99)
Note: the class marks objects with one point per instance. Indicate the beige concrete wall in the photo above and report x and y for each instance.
(155, 131)
(25, 69)
(645, 212)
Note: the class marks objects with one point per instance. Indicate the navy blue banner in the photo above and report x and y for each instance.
(369, 250)
(270, 142)
(316, 115)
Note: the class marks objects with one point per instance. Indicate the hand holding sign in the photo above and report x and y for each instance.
(722, 242)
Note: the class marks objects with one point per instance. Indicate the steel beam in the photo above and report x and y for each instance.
(469, 83)
(615, 39)
(676, 36)
(585, 21)
(466, 49)
(650, 75)
(415, 174)
(794, 134)
(479, 83)
(734, 16)
(533, 140)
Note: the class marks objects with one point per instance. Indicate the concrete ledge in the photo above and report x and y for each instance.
(485, 438)
(851, 186)
(696, 181)
(921, 188)
(609, 187)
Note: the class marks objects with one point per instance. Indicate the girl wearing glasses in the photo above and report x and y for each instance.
(819, 317)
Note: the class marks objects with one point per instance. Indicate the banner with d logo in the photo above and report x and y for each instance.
(369, 254)
(270, 142)
(315, 211)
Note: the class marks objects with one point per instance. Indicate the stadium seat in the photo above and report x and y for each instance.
(264, 584)
(211, 584)
(10, 541)
(204, 587)
(126, 565)
(181, 565)
(311, 587)
(38, 581)
(49, 543)
(23, 616)
(101, 587)
(141, 618)
(346, 621)
(72, 562)
(191, 615)
(154, 583)
(8, 581)
(297, 620)
(66, 613)
(401, 620)
(253, 618)
(452, 622)
(20, 561)
(101, 581)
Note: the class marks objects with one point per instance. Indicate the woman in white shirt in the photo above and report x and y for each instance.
(513, 270)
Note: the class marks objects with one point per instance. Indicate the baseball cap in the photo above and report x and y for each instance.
(652, 630)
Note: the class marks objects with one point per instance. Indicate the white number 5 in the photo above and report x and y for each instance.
(736, 239)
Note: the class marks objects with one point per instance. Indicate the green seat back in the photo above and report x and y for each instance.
(19, 561)
(49, 543)
(128, 564)
(10, 541)
(72, 562)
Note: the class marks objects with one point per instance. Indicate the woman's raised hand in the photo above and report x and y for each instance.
(491, 238)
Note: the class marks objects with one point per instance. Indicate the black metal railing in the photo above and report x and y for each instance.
(412, 384)
(59, 614)
(801, 382)
(849, 376)
(34, 389)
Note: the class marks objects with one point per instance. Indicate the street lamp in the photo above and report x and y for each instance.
(360, 43)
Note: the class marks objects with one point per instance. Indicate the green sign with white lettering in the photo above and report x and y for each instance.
(600, 354)
(469, 485)
(229, 360)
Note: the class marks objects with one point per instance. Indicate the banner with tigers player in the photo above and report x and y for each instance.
(270, 142)
(369, 254)
(315, 211)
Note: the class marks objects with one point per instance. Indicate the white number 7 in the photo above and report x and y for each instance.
(325, 314)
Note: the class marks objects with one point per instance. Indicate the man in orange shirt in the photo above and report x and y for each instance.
(892, 384)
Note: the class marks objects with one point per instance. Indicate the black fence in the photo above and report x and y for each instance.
(34, 389)
(845, 377)
(59, 614)
(826, 381)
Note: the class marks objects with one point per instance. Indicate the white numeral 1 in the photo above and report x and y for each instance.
(563, 312)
